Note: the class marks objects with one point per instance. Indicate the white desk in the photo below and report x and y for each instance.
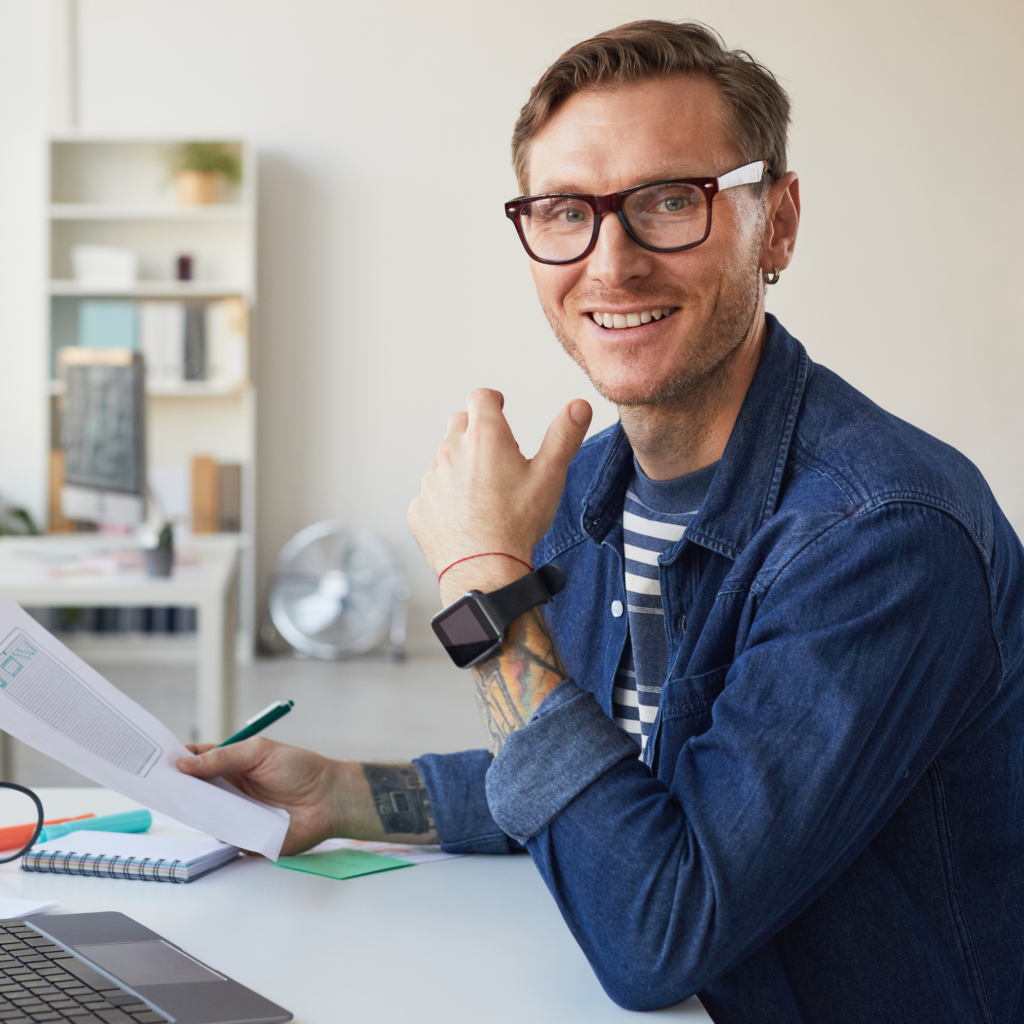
(34, 571)
(473, 939)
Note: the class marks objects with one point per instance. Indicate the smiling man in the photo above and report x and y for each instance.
(766, 743)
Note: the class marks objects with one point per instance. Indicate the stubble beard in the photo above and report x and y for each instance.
(710, 350)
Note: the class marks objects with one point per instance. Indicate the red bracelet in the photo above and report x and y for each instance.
(483, 554)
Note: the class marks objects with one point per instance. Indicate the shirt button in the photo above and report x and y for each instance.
(617, 609)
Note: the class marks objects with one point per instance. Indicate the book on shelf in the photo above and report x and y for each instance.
(180, 341)
(108, 323)
(216, 496)
(156, 621)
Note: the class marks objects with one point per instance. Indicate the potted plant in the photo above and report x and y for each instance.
(200, 170)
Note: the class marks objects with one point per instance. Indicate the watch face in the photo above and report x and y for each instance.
(465, 630)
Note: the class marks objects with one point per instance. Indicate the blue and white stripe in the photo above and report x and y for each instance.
(648, 533)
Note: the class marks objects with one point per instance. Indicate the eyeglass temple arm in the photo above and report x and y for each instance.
(748, 174)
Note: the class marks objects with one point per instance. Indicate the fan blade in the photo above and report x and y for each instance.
(316, 612)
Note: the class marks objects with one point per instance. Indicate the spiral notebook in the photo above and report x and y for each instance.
(130, 856)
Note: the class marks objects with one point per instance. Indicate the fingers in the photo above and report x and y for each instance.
(237, 759)
(200, 748)
(484, 407)
(456, 424)
(563, 438)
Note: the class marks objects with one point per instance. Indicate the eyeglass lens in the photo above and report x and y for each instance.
(663, 216)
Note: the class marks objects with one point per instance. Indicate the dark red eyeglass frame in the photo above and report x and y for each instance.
(614, 201)
(611, 203)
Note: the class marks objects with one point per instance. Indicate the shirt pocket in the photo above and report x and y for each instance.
(685, 712)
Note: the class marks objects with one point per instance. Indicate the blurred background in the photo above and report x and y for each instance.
(363, 309)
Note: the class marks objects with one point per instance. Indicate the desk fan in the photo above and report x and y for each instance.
(338, 592)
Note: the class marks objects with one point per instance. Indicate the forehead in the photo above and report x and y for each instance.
(605, 139)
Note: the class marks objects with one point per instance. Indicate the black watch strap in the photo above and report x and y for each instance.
(537, 587)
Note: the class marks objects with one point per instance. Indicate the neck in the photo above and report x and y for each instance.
(691, 431)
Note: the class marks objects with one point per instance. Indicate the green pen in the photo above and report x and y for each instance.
(259, 722)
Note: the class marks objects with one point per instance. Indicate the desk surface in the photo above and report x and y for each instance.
(478, 938)
(41, 570)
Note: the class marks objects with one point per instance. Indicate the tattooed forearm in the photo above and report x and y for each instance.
(512, 684)
(400, 798)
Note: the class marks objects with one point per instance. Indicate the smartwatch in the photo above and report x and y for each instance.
(473, 627)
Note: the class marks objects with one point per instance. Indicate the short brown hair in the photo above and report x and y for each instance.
(757, 106)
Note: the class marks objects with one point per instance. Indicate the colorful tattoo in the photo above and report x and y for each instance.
(512, 684)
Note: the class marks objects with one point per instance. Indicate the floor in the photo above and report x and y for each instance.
(367, 709)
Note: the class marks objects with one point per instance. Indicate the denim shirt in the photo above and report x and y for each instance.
(828, 823)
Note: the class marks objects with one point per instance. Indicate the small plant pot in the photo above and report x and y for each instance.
(198, 188)
(158, 561)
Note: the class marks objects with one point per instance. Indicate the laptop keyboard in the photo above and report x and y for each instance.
(41, 982)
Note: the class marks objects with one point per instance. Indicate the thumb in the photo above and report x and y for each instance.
(563, 438)
(236, 759)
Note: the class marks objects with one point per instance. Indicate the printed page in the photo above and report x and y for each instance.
(51, 700)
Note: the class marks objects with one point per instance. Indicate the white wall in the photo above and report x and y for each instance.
(377, 313)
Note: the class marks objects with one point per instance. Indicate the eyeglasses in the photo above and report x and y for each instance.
(663, 216)
(15, 838)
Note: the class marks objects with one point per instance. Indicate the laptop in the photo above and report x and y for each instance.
(108, 969)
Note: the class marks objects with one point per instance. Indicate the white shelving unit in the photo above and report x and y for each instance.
(119, 192)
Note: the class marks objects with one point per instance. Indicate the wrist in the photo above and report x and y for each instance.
(483, 574)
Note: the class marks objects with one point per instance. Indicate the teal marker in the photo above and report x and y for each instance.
(259, 722)
(130, 821)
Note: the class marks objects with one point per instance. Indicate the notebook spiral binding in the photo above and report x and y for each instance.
(144, 869)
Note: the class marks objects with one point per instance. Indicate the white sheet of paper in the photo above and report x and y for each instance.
(53, 701)
(400, 851)
(23, 908)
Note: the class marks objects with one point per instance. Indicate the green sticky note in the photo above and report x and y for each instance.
(342, 863)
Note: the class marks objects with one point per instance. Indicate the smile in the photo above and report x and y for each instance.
(617, 321)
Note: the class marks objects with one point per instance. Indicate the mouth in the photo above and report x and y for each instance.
(621, 321)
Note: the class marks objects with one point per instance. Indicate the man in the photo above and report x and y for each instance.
(767, 744)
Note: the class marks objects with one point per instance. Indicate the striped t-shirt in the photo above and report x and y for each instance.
(655, 516)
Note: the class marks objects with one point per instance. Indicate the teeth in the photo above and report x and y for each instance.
(616, 321)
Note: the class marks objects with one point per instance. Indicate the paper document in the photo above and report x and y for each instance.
(53, 701)
(10, 907)
(400, 851)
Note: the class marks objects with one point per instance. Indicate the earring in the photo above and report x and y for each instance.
(773, 277)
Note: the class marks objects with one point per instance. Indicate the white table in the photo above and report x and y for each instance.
(473, 939)
(40, 572)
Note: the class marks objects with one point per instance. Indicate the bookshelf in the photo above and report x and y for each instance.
(119, 192)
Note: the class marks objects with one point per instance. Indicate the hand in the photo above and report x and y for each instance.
(305, 784)
(480, 494)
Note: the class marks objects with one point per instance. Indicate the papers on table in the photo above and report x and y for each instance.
(399, 851)
(53, 701)
(349, 858)
(10, 908)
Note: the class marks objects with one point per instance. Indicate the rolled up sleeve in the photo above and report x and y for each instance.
(568, 744)
(455, 787)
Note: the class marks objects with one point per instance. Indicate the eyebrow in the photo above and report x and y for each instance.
(566, 188)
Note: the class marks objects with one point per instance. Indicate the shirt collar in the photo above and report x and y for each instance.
(745, 490)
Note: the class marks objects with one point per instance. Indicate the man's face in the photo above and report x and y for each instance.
(605, 140)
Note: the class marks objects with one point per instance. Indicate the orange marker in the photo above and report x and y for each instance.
(15, 836)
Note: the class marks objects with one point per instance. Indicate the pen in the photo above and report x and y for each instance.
(130, 821)
(259, 722)
(16, 836)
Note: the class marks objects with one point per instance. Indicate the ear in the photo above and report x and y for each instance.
(782, 208)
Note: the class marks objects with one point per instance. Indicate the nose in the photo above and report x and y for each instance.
(616, 258)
